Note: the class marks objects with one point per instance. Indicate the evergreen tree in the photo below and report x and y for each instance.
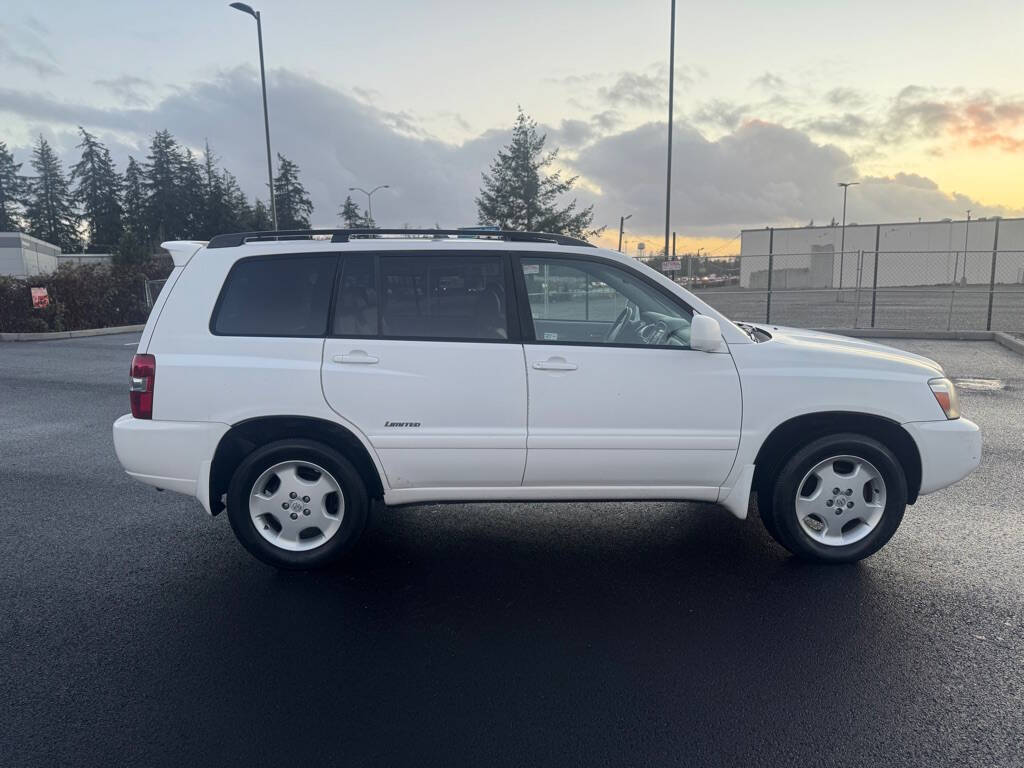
(261, 220)
(12, 192)
(351, 215)
(192, 193)
(215, 205)
(238, 214)
(519, 194)
(166, 217)
(50, 213)
(97, 191)
(135, 200)
(293, 204)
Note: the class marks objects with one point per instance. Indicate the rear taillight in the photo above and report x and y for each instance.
(140, 386)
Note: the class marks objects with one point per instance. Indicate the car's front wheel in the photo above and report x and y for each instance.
(838, 500)
(297, 504)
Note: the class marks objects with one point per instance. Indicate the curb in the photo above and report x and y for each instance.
(55, 335)
(1010, 342)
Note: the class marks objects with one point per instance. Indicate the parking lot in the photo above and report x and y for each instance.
(922, 308)
(135, 630)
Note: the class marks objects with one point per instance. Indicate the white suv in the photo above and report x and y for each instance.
(296, 378)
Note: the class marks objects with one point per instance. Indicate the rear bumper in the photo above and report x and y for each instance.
(175, 455)
(950, 450)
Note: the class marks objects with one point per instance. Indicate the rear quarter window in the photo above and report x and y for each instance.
(286, 295)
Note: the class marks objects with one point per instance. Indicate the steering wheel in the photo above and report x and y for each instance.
(620, 321)
(655, 333)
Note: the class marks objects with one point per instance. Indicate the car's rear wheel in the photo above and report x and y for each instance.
(297, 504)
(837, 500)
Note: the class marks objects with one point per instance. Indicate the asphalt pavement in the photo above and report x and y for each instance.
(135, 630)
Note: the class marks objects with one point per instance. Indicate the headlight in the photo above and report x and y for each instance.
(945, 396)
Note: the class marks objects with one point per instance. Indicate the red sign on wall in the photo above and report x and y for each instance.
(40, 298)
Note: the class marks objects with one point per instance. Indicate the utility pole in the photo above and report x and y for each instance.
(622, 225)
(671, 88)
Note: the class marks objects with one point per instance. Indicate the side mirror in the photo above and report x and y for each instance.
(705, 334)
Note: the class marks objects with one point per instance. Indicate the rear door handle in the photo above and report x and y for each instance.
(555, 364)
(356, 357)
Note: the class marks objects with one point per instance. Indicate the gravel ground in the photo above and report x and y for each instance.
(134, 630)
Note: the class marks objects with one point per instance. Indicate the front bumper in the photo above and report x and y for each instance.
(175, 455)
(950, 450)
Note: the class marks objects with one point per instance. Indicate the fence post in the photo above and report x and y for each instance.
(874, 275)
(771, 262)
(992, 278)
(860, 281)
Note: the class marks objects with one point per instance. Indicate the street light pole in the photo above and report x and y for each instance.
(369, 198)
(671, 88)
(842, 246)
(622, 225)
(266, 118)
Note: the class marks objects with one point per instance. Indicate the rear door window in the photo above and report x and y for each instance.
(286, 295)
(444, 297)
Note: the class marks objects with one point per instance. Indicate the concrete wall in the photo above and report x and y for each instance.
(910, 254)
(24, 256)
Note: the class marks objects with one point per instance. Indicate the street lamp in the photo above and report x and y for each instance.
(842, 246)
(671, 88)
(622, 224)
(266, 119)
(369, 198)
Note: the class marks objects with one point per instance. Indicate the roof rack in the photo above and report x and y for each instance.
(344, 235)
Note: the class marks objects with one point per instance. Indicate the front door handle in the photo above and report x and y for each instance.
(356, 357)
(555, 364)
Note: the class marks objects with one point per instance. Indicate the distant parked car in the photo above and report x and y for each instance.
(294, 382)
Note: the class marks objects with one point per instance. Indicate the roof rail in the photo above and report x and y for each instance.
(344, 235)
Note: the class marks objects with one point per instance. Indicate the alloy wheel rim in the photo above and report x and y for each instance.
(296, 505)
(840, 500)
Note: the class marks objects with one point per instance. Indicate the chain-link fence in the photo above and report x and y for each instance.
(153, 288)
(932, 290)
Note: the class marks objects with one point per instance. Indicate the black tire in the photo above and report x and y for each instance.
(352, 488)
(782, 521)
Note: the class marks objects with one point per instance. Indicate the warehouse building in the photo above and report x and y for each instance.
(929, 253)
(24, 256)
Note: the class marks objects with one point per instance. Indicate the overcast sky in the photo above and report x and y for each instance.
(775, 102)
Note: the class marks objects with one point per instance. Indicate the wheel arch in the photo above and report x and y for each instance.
(799, 430)
(246, 436)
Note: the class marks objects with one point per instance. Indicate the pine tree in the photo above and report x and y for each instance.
(352, 216)
(261, 221)
(293, 204)
(165, 211)
(97, 192)
(215, 211)
(238, 213)
(135, 199)
(50, 212)
(12, 192)
(519, 194)
(192, 195)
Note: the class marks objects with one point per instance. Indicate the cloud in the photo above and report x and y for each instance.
(634, 89)
(980, 119)
(720, 114)
(336, 140)
(845, 97)
(760, 174)
(769, 81)
(754, 174)
(31, 53)
(848, 125)
(127, 88)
